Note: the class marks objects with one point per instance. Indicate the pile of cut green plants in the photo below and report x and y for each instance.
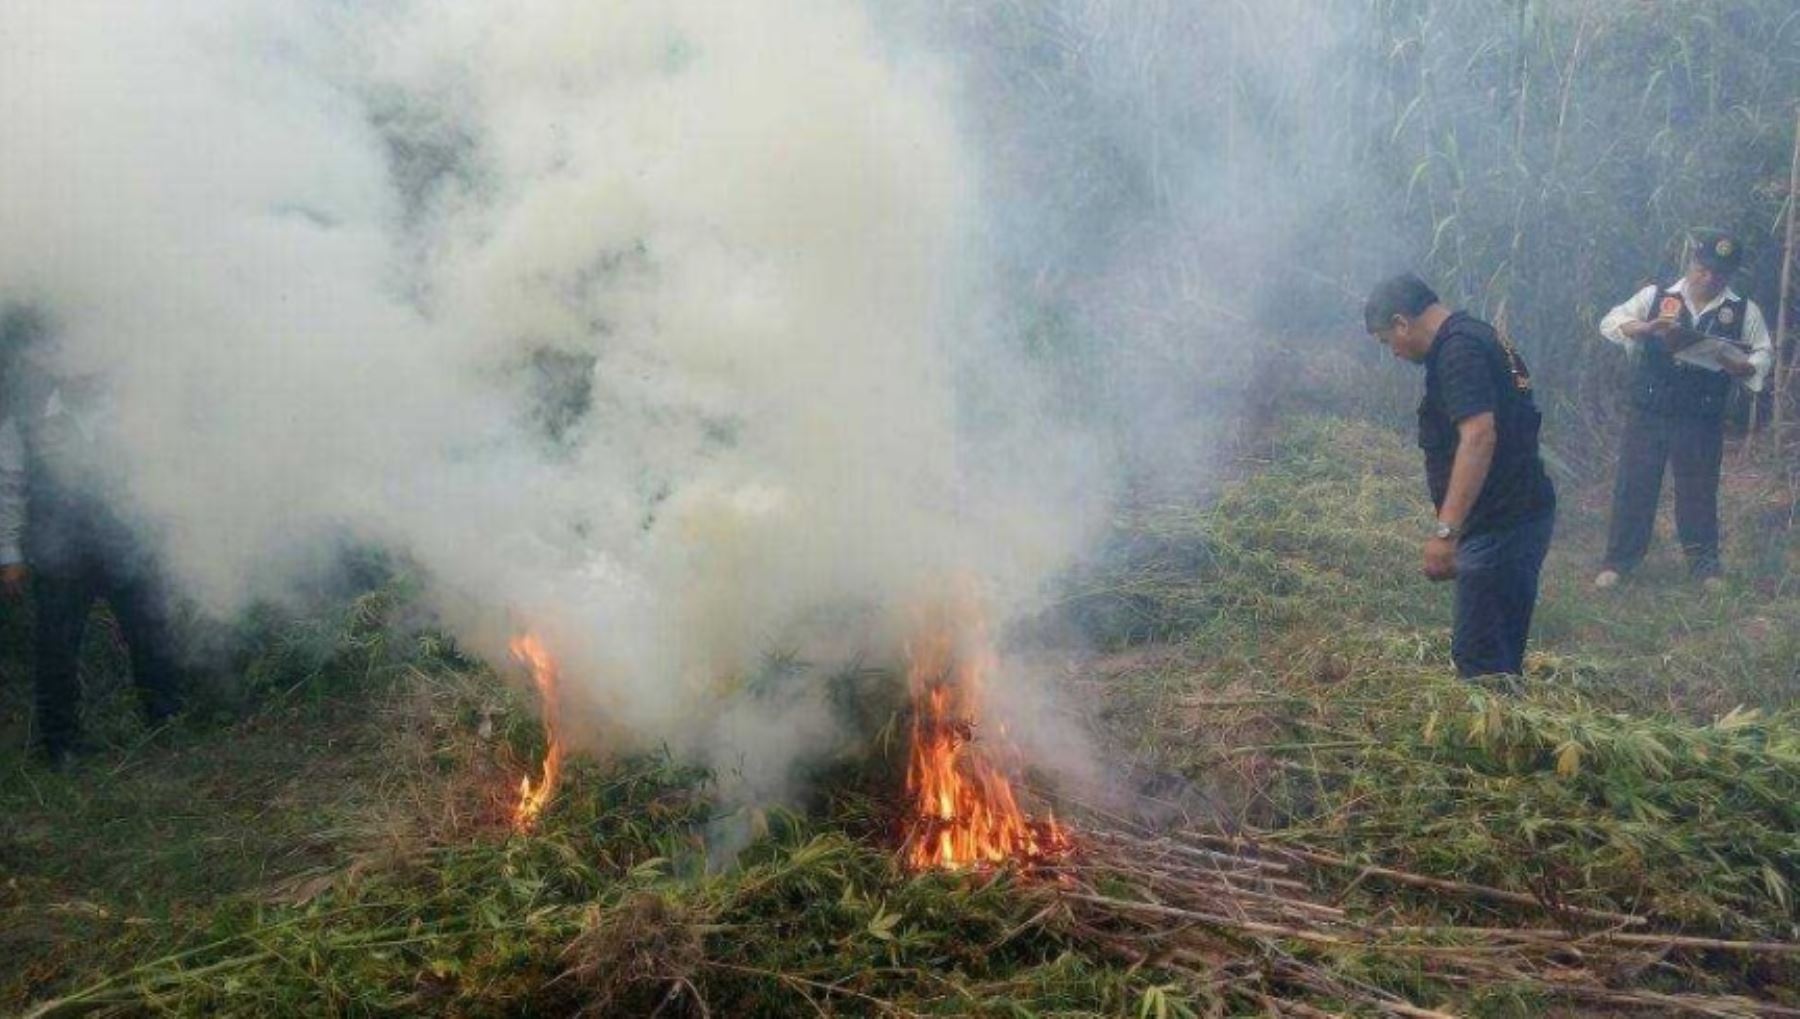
(627, 898)
(1277, 650)
(1311, 816)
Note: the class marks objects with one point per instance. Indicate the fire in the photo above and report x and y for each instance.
(530, 651)
(965, 813)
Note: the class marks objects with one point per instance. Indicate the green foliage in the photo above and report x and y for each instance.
(1328, 528)
(612, 908)
(1549, 155)
(1193, 177)
(1312, 696)
(349, 853)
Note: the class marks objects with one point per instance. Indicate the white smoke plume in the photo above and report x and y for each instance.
(655, 326)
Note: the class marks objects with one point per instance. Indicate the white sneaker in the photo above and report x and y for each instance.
(1606, 580)
(1713, 585)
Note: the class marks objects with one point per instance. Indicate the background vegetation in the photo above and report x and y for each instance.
(1200, 176)
(1558, 151)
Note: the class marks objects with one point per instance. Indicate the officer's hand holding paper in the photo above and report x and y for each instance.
(1702, 351)
(1735, 363)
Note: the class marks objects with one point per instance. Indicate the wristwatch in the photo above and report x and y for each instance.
(1446, 532)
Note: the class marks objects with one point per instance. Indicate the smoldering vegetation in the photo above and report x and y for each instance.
(620, 326)
(711, 340)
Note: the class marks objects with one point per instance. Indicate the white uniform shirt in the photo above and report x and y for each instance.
(1704, 354)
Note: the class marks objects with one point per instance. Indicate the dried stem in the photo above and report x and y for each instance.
(1191, 911)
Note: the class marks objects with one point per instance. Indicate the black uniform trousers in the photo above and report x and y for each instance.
(1693, 446)
(80, 554)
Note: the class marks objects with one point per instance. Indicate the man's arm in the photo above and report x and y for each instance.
(1474, 457)
(1469, 398)
(1468, 473)
(1762, 348)
(1625, 324)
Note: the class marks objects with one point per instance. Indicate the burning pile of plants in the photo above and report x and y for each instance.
(963, 810)
(1352, 830)
(609, 907)
(595, 890)
(528, 649)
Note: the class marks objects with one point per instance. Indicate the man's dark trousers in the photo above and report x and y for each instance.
(1693, 446)
(78, 556)
(1496, 591)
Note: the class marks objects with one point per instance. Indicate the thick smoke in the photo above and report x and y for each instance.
(1168, 191)
(654, 326)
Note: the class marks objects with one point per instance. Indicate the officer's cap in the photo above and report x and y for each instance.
(1717, 250)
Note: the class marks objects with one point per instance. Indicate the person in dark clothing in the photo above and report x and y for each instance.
(1496, 505)
(1690, 341)
(61, 539)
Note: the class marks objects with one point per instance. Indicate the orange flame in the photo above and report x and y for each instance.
(964, 811)
(530, 651)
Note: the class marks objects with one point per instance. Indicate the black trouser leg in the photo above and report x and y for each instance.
(144, 624)
(1531, 545)
(1636, 490)
(1496, 594)
(64, 596)
(1478, 636)
(1695, 457)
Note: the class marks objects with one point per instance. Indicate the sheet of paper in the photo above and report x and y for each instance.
(1705, 354)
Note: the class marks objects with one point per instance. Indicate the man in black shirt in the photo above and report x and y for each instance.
(1496, 506)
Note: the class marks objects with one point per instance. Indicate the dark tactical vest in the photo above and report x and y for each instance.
(1668, 387)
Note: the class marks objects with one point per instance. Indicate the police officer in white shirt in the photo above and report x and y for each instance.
(1691, 341)
(59, 536)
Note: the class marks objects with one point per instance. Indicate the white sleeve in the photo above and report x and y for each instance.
(12, 493)
(1762, 349)
(1635, 310)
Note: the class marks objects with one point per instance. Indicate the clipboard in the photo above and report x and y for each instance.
(1706, 353)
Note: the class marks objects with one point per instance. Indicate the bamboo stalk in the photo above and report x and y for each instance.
(1458, 887)
(1206, 885)
(1190, 912)
(1211, 856)
(1783, 368)
(1699, 1005)
(1559, 936)
(1216, 919)
(1369, 936)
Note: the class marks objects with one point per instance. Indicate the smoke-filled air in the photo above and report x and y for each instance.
(640, 326)
(690, 508)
